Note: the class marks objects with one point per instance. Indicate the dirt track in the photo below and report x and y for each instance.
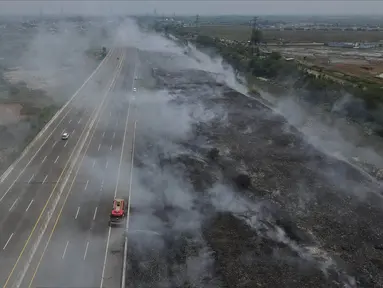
(240, 200)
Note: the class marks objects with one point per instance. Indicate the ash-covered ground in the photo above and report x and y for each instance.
(227, 194)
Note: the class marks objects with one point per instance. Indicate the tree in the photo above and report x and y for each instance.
(275, 56)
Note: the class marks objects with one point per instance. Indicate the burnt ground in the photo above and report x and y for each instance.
(235, 197)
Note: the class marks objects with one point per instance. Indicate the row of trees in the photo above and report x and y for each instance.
(246, 59)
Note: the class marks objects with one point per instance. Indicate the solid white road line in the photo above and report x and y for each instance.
(66, 246)
(46, 176)
(95, 212)
(131, 177)
(78, 210)
(9, 239)
(31, 178)
(66, 143)
(86, 249)
(105, 258)
(29, 205)
(123, 277)
(99, 146)
(57, 159)
(115, 192)
(14, 203)
(86, 185)
(44, 160)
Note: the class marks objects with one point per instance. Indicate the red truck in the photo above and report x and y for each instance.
(118, 212)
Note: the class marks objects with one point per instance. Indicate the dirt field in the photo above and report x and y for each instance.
(242, 33)
(363, 64)
(368, 71)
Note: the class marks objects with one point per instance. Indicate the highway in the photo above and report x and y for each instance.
(55, 202)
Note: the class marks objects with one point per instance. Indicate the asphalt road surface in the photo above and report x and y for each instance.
(55, 203)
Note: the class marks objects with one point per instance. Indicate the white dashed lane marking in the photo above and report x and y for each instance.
(29, 205)
(9, 239)
(86, 249)
(14, 203)
(95, 213)
(31, 178)
(66, 247)
(78, 210)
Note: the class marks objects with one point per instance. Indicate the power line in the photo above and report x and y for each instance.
(254, 35)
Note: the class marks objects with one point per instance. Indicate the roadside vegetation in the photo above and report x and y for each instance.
(97, 53)
(255, 63)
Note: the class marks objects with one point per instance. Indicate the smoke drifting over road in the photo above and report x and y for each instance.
(225, 192)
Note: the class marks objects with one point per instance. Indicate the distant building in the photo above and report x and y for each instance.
(341, 44)
(366, 45)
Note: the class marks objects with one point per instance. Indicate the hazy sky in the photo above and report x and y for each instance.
(194, 7)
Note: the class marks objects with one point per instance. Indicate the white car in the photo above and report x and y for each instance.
(65, 136)
(134, 89)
